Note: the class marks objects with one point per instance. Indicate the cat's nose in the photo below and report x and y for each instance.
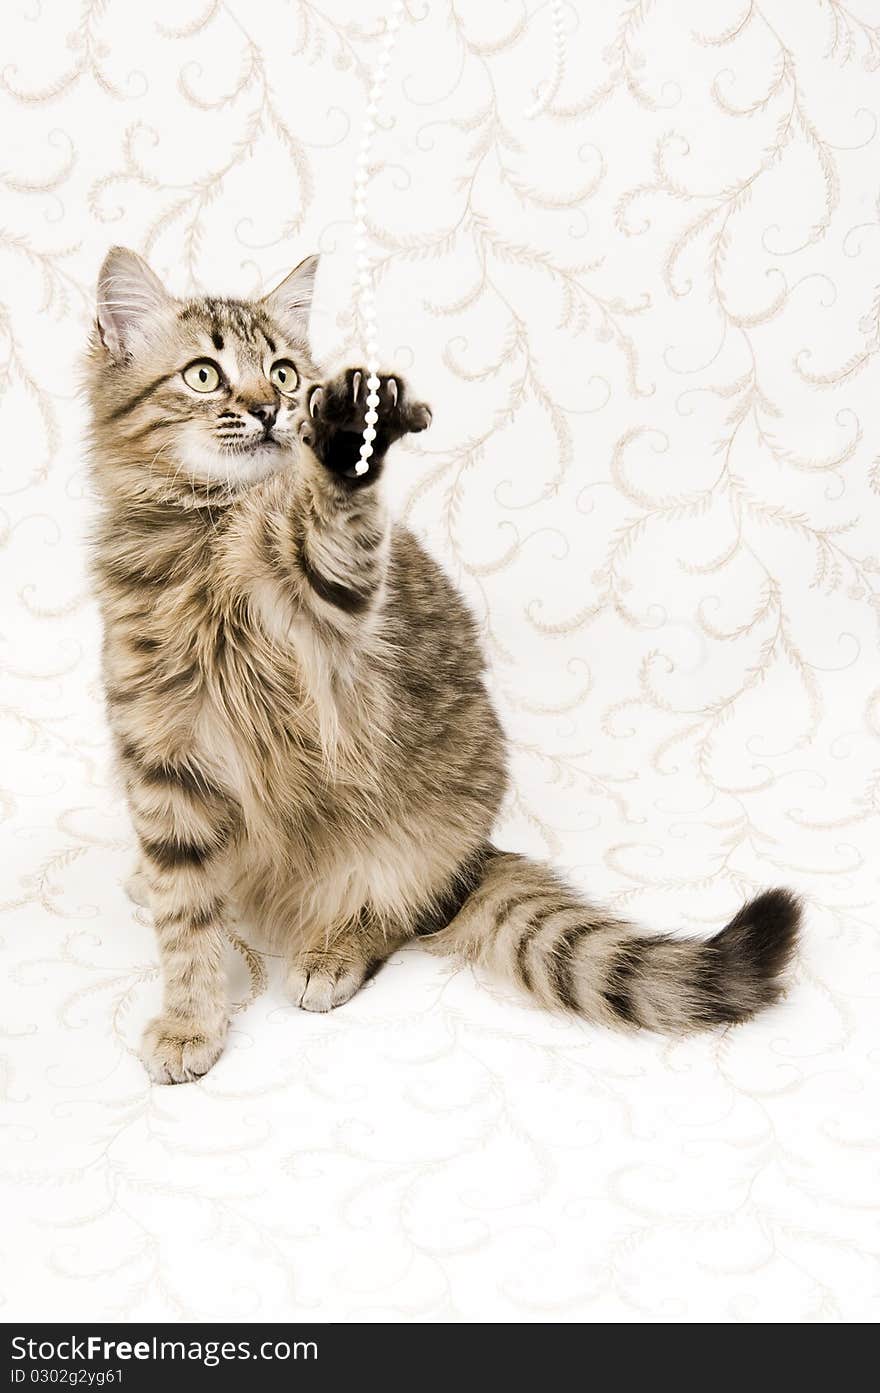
(265, 412)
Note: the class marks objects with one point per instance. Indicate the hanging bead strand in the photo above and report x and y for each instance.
(548, 90)
(365, 285)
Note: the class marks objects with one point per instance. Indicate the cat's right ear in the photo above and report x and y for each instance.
(130, 297)
(290, 303)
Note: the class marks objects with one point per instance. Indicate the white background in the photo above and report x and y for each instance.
(648, 323)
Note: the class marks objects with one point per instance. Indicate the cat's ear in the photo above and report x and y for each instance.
(130, 297)
(290, 303)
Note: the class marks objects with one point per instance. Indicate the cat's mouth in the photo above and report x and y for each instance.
(268, 443)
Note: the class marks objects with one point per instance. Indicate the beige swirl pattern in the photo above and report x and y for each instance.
(647, 318)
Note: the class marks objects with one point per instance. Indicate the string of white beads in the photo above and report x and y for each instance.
(548, 91)
(365, 293)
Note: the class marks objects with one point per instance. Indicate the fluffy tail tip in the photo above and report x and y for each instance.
(756, 948)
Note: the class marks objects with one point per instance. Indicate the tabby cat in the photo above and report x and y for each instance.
(297, 699)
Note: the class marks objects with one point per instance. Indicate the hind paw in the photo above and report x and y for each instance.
(320, 981)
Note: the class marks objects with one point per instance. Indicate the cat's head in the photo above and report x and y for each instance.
(195, 398)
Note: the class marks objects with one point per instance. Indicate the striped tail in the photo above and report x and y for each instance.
(525, 924)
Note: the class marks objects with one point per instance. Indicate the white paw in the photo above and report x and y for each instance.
(137, 888)
(178, 1052)
(319, 984)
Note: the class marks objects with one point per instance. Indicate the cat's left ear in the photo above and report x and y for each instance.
(290, 303)
(130, 296)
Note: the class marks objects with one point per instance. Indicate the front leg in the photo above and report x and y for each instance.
(324, 545)
(184, 825)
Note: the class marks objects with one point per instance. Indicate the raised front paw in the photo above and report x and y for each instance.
(177, 1051)
(337, 414)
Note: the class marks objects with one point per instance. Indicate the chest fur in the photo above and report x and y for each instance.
(278, 721)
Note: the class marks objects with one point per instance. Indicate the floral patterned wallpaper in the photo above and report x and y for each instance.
(647, 317)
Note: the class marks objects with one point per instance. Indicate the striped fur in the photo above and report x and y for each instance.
(297, 697)
(527, 925)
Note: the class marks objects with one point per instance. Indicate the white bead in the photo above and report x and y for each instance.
(366, 450)
(373, 382)
(371, 417)
(369, 433)
(372, 349)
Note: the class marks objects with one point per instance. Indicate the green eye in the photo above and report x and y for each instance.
(203, 376)
(283, 376)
